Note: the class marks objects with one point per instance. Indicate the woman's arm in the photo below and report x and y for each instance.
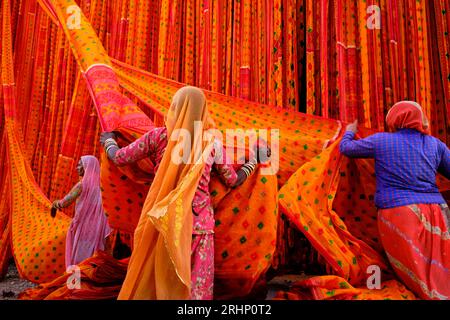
(245, 171)
(137, 150)
(228, 175)
(69, 198)
(232, 178)
(362, 148)
(223, 166)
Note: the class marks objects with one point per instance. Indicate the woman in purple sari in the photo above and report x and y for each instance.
(89, 227)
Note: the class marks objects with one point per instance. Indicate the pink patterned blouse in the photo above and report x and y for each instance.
(153, 145)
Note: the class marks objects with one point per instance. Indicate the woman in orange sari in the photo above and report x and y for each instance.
(173, 255)
(413, 217)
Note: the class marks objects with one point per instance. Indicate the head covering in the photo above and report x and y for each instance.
(407, 115)
(160, 265)
(89, 227)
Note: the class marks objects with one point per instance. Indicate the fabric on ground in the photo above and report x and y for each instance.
(100, 278)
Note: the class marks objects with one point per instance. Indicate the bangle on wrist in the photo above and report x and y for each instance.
(109, 141)
(246, 172)
(254, 160)
(248, 168)
(110, 147)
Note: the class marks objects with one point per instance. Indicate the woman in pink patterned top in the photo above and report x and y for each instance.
(153, 145)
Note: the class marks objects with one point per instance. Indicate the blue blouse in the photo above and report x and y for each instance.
(406, 163)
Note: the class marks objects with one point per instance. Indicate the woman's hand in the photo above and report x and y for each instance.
(56, 205)
(53, 212)
(353, 127)
(262, 151)
(105, 136)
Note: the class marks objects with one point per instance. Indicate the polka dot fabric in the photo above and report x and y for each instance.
(101, 278)
(245, 233)
(156, 93)
(301, 137)
(123, 189)
(87, 47)
(5, 226)
(308, 200)
(38, 240)
(123, 197)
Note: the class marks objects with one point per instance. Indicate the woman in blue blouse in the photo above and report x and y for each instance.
(413, 217)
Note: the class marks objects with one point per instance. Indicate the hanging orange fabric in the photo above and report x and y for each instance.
(31, 247)
(245, 234)
(133, 38)
(307, 198)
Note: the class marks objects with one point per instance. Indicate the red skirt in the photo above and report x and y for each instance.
(417, 242)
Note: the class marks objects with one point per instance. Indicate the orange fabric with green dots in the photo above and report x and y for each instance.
(301, 136)
(39, 241)
(308, 199)
(245, 233)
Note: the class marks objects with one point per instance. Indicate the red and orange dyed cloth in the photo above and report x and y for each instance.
(245, 234)
(245, 239)
(38, 240)
(337, 214)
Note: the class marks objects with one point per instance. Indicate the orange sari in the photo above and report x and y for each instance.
(160, 265)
